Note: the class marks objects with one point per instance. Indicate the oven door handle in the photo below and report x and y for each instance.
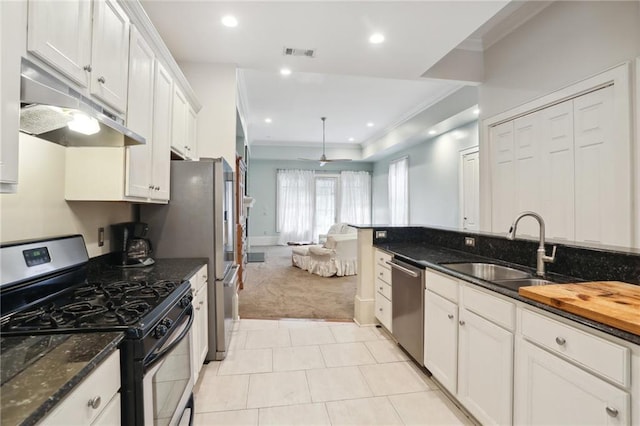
(153, 358)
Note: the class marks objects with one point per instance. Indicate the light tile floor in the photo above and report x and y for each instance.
(295, 372)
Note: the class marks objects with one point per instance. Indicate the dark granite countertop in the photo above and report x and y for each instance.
(174, 269)
(39, 371)
(432, 256)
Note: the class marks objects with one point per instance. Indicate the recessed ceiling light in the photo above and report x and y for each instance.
(267, 120)
(370, 124)
(285, 71)
(351, 139)
(229, 21)
(476, 111)
(376, 38)
(432, 132)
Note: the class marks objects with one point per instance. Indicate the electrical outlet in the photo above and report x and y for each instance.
(469, 241)
(381, 234)
(100, 237)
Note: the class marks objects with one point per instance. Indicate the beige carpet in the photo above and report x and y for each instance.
(276, 289)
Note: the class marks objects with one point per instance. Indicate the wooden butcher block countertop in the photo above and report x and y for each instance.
(614, 303)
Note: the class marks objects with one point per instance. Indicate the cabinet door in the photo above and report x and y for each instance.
(110, 54)
(140, 116)
(203, 315)
(502, 177)
(161, 164)
(602, 172)
(59, 32)
(557, 182)
(191, 132)
(485, 369)
(549, 390)
(179, 127)
(441, 339)
(526, 169)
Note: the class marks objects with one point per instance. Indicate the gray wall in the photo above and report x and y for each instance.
(262, 187)
(433, 179)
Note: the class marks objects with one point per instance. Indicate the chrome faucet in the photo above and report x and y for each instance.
(542, 257)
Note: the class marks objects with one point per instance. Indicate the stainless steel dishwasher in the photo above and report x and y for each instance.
(407, 308)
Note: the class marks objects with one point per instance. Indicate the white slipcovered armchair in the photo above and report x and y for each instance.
(337, 256)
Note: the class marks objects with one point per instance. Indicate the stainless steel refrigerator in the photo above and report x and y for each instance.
(198, 222)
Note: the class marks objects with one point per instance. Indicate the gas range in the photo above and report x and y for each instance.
(48, 289)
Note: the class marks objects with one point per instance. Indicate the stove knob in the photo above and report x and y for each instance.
(160, 331)
(185, 301)
(167, 322)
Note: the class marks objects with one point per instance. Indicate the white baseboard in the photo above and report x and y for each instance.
(267, 240)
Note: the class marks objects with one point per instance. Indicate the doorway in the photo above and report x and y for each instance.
(469, 189)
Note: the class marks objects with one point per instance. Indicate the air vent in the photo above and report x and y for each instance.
(292, 51)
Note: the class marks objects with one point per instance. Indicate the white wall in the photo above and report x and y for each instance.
(565, 43)
(215, 87)
(433, 179)
(38, 209)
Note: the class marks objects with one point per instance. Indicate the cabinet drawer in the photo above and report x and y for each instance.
(111, 415)
(490, 307)
(384, 288)
(382, 258)
(442, 285)
(383, 273)
(103, 382)
(608, 359)
(383, 310)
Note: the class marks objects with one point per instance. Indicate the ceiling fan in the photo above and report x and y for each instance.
(323, 158)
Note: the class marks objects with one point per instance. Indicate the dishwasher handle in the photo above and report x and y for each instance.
(403, 269)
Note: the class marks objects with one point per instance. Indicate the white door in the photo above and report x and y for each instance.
(110, 54)
(485, 369)
(140, 116)
(557, 181)
(441, 339)
(470, 190)
(527, 176)
(59, 32)
(502, 177)
(602, 172)
(325, 205)
(162, 119)
(551, 391)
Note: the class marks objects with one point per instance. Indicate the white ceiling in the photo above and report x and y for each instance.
(350, 81)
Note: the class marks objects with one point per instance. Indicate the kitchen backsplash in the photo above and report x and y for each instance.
(580, 262)
(39, 209)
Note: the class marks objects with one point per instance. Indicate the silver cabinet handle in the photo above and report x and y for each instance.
(96, 400)
(380, 309)
(102, 80)
(612, 411)
(461, 322)
(380, 288)
(560, 341)
(197, 308)
(381, 274)
(450, 316)
(87, 68)
(150, 186)
(403, 269)
(201, 302)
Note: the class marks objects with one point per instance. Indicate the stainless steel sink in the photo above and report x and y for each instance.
(488, 271)
(516, 284)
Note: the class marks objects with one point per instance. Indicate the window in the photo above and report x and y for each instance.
(399, 192)
(355, 197)
(325, 211)
(295, 192)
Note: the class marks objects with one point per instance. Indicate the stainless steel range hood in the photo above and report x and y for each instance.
(51, 110)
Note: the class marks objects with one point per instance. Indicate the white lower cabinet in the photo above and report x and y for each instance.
(485, 369)
(550, 390)
(200, 328)
(441, 339)
(95, 401)
(383, 284)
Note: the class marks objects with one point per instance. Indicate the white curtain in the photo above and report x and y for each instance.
(399, 192)
(295, 205)
(355, 197)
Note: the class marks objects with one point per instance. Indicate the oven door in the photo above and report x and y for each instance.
(167, 382)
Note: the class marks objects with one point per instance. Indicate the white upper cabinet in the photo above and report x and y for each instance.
(59, 33)
(191, 132)
(526, 168)
(502, 177)
(140, 116)
(110, 53)
(162, 101)
(183, 133)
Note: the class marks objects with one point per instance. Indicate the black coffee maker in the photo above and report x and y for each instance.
(129, 247)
